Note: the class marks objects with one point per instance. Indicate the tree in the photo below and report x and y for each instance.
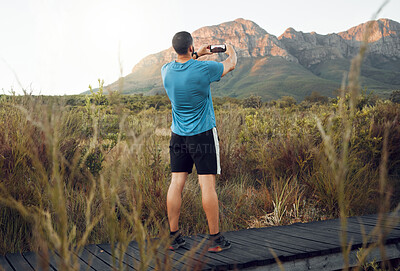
(286, 101)
(316, 97)
(252, 102)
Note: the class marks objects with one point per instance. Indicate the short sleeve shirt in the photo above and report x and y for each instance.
(188, 87)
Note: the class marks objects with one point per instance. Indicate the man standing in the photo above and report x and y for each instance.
(194, 137)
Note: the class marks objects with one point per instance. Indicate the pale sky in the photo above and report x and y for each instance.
(58, 47)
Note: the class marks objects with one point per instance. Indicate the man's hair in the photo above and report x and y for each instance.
(181, 42)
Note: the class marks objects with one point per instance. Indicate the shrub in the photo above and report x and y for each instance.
(252, 102)
(286, 101)
(316, 97)
(395, 96)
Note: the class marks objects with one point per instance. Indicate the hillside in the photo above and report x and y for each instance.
(294, 63)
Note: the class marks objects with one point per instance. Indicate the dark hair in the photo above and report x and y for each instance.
(181, 42)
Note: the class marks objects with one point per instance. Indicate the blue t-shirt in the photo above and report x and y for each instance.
(188, 87)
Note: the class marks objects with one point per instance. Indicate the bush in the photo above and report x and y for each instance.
(286, 101)
(395, 96)
(252, 102)
(316, 97)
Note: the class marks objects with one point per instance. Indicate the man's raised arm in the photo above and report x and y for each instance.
(230, 62)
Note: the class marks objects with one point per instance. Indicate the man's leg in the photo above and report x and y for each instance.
(210, 201)
(174, 199)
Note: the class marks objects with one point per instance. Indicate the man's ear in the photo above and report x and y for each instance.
(191, 49)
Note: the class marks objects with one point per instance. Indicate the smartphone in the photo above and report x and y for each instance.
(218, 48)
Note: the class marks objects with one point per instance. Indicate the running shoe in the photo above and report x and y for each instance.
(177, 242)
(219, 243)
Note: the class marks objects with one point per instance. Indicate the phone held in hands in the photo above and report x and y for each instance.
(217, 48)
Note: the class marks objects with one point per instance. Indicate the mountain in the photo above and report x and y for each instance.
(295, 63)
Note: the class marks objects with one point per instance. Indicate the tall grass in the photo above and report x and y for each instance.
(79, 170)
(91, 173)
(341, 161)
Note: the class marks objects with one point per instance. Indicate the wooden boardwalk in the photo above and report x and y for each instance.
(308, 246)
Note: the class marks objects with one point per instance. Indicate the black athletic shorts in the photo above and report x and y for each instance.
(201, 150)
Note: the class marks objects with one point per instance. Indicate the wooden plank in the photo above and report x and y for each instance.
(327, 237)
(326, 241)
(212, 258)
(189, 259)
(55, 261)
(93, 261)
(394, 224)
(128, 259)
(354, 238)
(276, 241)
(238, 255)
(162, 256)
(393, 235)
(105, 257)
(196, 247)
(18, 262)
(242, 235)
(229, 260)
(244, 257)
(250, 240)
(311, 247)
(134, 248)
(291, 231)
(262, 251)
(199, 245)
(33, 260)
(373, 220)
(334, 224)
(353, 231)
(375, 217)
(135, 252)
(371, 225)
(193, 261)
(255, 235)
(4, 264)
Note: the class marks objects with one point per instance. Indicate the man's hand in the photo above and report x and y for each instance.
(204, 50)
(230, 62)
(229, 50)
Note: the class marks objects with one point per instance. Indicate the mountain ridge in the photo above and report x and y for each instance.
(312, 60)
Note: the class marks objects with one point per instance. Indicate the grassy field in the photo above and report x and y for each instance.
(91, 169)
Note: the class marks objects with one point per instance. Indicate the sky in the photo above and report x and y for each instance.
(60, 47)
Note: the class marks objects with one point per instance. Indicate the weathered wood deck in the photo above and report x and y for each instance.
(308, 246)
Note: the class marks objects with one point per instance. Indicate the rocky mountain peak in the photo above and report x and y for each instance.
(381, 28)
(289, 33)
(248, 38)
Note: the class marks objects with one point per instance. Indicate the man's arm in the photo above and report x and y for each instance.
(230, 62)
(203, 50)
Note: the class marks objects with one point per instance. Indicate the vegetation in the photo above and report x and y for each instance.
(90, 169)
(83, 169)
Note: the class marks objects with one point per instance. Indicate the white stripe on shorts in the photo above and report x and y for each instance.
(216, 149)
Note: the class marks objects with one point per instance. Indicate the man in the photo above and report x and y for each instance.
(194, 137)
